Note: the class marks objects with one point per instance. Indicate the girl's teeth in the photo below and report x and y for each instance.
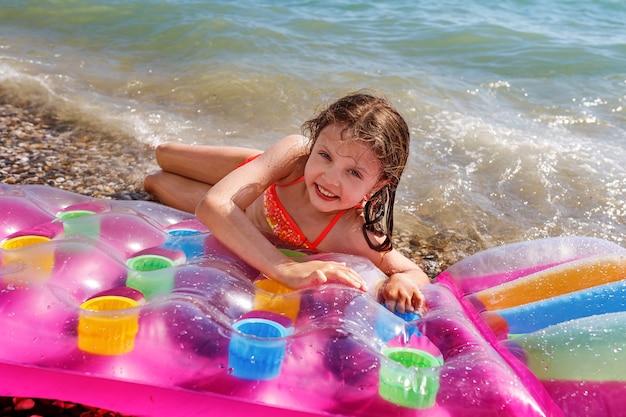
(326, 193)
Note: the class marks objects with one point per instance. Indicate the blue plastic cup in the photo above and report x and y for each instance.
(188, 241)
(257, 349)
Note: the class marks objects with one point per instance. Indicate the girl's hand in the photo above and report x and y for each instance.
(311, 273)
(401, 292)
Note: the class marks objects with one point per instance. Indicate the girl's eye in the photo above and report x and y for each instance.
(325, 155)
(355, 173)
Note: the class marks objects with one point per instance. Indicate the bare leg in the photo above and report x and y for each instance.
(188, 172)
(176, 191)
(207, 164)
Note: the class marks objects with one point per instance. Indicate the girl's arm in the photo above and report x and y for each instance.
(401, 290)
(222, 211)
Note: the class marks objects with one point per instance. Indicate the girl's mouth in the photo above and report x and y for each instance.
(325, 194)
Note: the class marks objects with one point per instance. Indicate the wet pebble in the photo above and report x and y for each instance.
(39, 149)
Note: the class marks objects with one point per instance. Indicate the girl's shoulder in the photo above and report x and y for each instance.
(288, 155)
(293, 145)
(282, 162)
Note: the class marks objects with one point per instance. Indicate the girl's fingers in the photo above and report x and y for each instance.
(391, 305)
(312, 273)
(418, 302)
(319, 278)
(342, 273)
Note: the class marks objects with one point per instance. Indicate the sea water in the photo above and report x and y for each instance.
(517, 108)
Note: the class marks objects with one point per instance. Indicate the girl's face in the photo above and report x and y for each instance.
(340, 172)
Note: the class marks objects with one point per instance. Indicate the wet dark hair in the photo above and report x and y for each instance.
(372, 120)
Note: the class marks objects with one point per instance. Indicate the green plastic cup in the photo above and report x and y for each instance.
(80, 223)
(409, 377)
(151, 274)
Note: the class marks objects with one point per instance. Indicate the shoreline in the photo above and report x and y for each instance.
(39, 147)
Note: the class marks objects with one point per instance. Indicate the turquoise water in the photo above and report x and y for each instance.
(517, 108)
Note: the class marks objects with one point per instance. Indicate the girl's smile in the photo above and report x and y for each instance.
(324, 194)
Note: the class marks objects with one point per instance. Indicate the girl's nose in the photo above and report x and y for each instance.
(331, 176)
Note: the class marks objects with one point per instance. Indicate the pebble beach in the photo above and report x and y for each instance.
(39, 147)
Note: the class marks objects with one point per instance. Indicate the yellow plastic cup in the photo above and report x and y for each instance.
(31, 266)
(22, 241)
(410, 378)
(274, 297)
(108, 325)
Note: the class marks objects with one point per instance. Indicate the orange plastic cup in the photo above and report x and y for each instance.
(108, 325)
(276, 298)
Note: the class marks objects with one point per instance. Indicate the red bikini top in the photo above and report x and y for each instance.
(282, 224)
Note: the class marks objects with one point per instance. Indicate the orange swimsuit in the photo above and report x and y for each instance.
(282, 224)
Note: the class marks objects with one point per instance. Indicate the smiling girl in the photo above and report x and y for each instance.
(329, 191)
